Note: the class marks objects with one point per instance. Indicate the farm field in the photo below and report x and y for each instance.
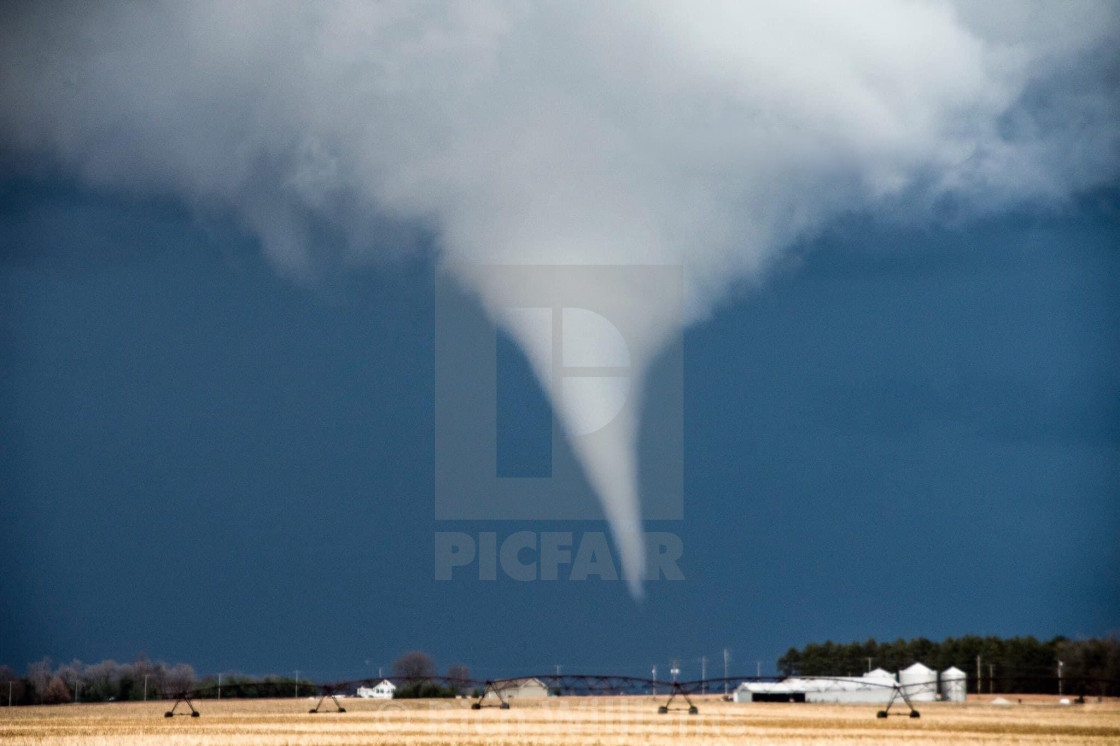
(566, 720)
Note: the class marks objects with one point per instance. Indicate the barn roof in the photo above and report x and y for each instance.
(518, 683)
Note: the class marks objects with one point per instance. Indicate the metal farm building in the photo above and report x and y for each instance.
(919, 682)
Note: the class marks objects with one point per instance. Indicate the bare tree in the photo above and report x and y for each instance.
(142, 666)
(102, 680)
(461, 672)
(139, 675)
(159, 678)
(9, 677)
(415, 664)
(180, 678)
(56, 692)
(39, 676)
(72, 674)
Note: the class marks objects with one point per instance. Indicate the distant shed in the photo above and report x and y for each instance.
(527, 688)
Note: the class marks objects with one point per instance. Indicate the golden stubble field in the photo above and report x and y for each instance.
(565, 720)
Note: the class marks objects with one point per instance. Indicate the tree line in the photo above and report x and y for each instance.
(421, 667)
(1009, 665)
(107, 681)
(143, 679)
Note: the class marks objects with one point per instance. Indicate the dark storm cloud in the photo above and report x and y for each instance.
(706, 135)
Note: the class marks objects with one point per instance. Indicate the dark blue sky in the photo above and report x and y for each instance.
(902, 432)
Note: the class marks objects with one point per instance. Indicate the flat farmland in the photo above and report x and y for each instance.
(563, 720)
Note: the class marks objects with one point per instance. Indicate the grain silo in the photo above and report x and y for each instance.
(954, 685)
(919, 682)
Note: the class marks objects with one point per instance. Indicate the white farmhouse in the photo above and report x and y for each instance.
(383, 690)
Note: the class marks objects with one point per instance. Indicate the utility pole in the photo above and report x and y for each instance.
(1060, 666)
(146, 686)
(703, 674)
(654, 681)
(758, 669)
(725, 672)
(297, 682)
(75, 690)
(869, 664)
(10, 693)
(978, 674)
(991, 677)
(219, 686)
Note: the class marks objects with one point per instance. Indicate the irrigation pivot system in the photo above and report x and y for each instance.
(493, 692)
(490, 692)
